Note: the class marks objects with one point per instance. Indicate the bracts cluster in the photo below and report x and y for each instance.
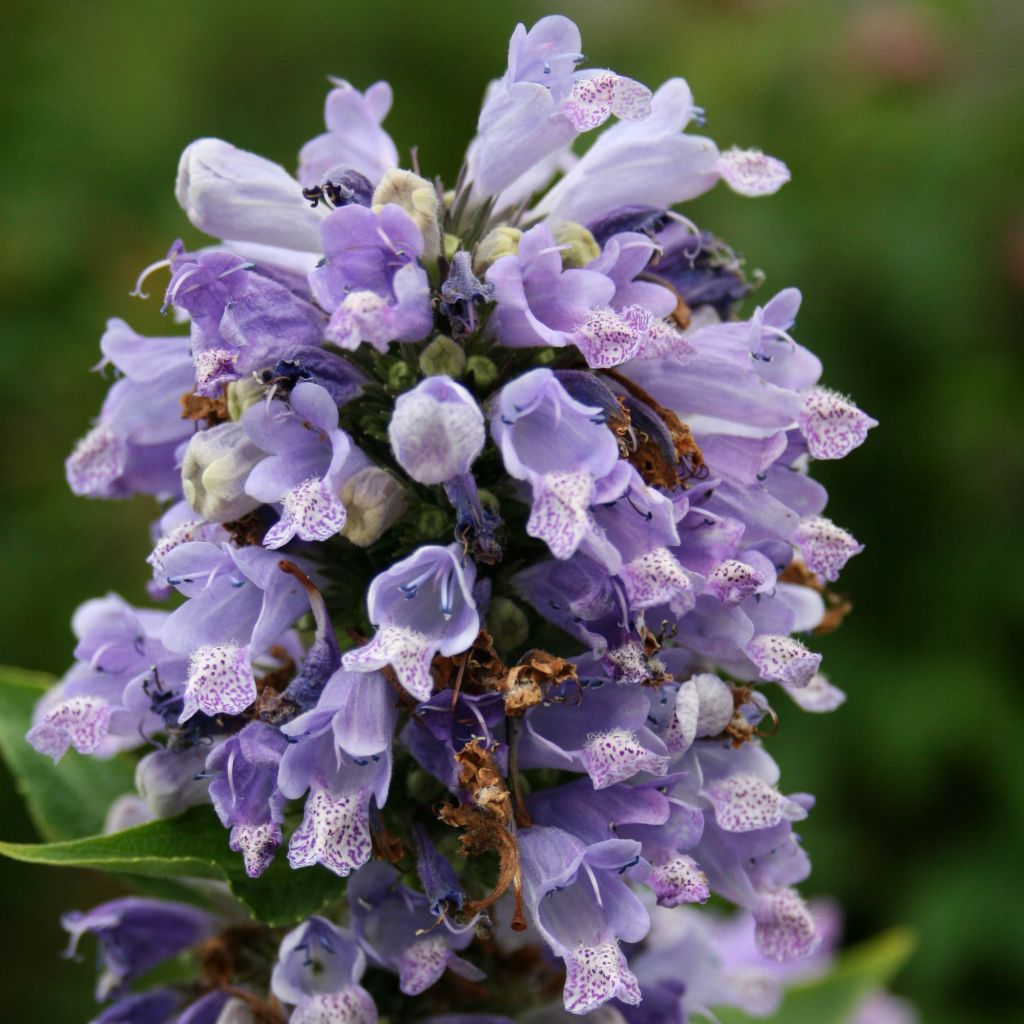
(490, 543)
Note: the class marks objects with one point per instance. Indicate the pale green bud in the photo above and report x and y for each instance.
(374, 500)
(443, 358)
(582, 246)
(418, 198)
(243, 393)
(484, 370)
(502, 241)
(400, 376)
(213, 473)
(452, 244)
(507, 624)
(432, 522)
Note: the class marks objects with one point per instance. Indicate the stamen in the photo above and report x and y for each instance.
(137, 292)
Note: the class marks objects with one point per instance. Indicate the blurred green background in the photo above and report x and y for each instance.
(904, 226)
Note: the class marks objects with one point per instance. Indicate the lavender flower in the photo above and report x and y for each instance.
(421, 606)
(592, 453)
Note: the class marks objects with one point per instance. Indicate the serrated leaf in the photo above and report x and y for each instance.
(832, 998)
(66, 800)
(194, 845)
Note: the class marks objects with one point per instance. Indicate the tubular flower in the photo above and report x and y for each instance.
(488, 627)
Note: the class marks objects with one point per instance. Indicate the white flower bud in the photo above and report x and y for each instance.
(436, 430)
(213, 473)
(373, 501)
(502, 241)
(418, 198)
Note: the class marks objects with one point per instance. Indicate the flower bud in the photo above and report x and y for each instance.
(443, 357)
(166, 780)
(502, 241)
(418, 198)
(436, 431)
(229, 193)
(582, 246)
(374, 500)
(432, 522)
(484, 370)
(400, 376)
(242, 393)
(213, 473)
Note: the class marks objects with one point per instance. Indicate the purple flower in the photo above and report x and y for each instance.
(539, 303)
(341, 753)
(245, 794)
(135, 935)
(236, 596)
(395, 926)
(152, 1007)
(370, 280)
(90, 709)
(832, 425)
(583, 908)
(649, 161)
(541, 104)
(132, 448)
(354, 136)
(310, 459)
(561, 447)
(318, 971)
(601, 730)
(436, 431)
(242, 321)
(421, 606)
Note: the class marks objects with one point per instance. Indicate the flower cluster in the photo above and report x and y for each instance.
(493, 531)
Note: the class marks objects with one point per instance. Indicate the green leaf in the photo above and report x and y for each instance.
(194, 845)
(66, 800)
(833, 998)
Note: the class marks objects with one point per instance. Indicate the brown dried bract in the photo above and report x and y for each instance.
(525, 684)
(386, 845)
(690, 457)
(619, 424)
(740, 730)
(220, 958)
(480, 668)
(479, 774)
(247, 531)
(197, 407)
(481, 832)
(837, 607)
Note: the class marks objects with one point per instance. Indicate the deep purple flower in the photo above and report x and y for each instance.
(135, 935)
(152, 1007)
